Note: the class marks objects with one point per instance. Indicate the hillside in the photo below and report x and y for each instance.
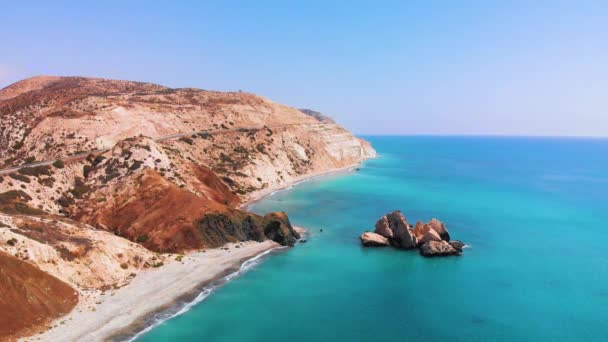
(92, 169)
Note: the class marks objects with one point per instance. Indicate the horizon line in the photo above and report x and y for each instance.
(457, 135)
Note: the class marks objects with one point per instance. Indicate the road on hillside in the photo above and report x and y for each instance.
(83, 155)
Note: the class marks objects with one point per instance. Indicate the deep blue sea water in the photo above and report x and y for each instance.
(534, 210)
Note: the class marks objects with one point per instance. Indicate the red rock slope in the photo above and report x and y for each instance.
(29, 297)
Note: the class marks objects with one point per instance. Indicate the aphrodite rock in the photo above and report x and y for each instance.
(394, 226)
(438, 248)
(382, 228)
(369, 239)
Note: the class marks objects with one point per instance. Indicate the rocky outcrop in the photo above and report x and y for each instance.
(438, 248)
(369, 239)
(396, 229)
(423, 229)
(218, 228)
(432, 237)
(457, 245)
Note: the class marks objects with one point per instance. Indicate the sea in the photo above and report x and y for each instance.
(533, 211)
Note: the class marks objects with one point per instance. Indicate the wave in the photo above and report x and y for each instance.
(162, 317)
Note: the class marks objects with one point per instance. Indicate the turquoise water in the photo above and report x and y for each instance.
(535, 212)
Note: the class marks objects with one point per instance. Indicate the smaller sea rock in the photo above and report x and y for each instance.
(457, 244)
(369, 239)
(437, 248)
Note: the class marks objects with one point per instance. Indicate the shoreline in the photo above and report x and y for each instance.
(123, 315)
(258, 196)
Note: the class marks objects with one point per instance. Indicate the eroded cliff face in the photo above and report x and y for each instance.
(129, 170)
(30, 297)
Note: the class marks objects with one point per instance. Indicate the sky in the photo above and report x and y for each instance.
(377, 67)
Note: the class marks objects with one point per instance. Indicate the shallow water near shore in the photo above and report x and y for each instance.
(533, 210)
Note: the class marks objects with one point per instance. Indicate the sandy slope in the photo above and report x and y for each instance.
(103, 316)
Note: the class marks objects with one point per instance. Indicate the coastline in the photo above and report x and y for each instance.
(123, 313)
(259, 195)
(159, 294)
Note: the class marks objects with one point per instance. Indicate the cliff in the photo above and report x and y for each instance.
(97, 177)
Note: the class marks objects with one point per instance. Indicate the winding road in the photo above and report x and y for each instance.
(83, 155)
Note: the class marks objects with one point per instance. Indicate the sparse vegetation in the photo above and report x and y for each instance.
(87, 169)
(80, 188)
(136, 165)
(36, 171)
(98, 160)
(142, 238)
(59, 164)
(187, 140)
(19, 177)
(204, 135)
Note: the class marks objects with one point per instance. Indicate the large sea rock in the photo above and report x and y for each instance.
(396, 229)
(369, 239)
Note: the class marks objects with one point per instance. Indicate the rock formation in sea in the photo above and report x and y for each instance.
(374, 240)
(432, 238)
(100, 178)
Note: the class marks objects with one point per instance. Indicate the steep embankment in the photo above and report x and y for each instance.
(29, 297)
(131, 170)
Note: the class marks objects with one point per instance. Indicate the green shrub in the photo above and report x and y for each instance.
(124, 266)
(59, 164)
(87, 169)
(142, 238)
(136, 165)
(19, 177)
(187, 140)
(98, 160)
(36, 171)
(80, 189)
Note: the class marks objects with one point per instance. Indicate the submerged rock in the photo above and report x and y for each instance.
(370, 239)
(437, 248)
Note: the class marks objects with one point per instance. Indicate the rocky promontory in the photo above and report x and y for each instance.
(431, 238)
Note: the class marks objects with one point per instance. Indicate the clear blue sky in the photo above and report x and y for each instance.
(388, 67)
